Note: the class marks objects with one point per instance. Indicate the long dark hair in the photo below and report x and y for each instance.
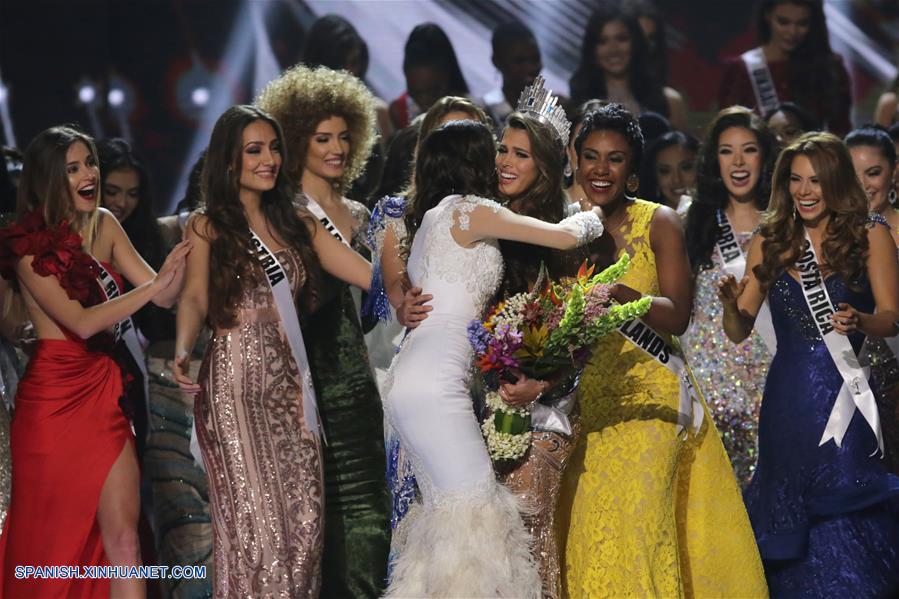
(657, 45)
(812, 66)
(140, 226)
(711, 195)
(428, 45)
(649, 181)
(456, 158)
(544, 199)
(331, 41)
(845, 243)
(588, 80)
(231, 267)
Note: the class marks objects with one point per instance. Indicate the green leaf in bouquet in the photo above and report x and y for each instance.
(614, 272)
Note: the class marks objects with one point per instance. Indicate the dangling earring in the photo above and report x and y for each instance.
(633, 183)
(893, 197)
(567, 172)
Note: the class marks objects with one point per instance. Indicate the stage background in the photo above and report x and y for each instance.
(159, 72)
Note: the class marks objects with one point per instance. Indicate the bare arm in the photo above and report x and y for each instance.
(127, 261)
(393, 268)
(194, 304)
(883, 273)
(339, 260)
(670, 310)
(50, 297)
(887, 105)
(677, 110)
(487, 222)
(742, 300)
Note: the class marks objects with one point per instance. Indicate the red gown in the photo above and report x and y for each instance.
(67, 432)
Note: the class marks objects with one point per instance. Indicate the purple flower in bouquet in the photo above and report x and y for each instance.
(478, 336)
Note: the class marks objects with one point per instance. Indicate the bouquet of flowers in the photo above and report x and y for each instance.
(541, 334)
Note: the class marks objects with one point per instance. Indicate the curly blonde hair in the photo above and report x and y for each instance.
(301, 98)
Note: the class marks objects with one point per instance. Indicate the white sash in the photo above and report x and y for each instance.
(855, 392)
(734, 261)
(689, 410)
(125, 330)
(319, 213)
(287, 310)
(762, 82)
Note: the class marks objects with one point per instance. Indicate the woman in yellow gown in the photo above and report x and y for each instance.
(649, 508)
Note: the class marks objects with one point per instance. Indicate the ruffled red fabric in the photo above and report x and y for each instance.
(57, 251)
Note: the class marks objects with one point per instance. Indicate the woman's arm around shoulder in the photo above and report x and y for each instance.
(336, 258)
(478, 219)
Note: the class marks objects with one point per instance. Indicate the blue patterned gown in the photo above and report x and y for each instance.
(825, 517)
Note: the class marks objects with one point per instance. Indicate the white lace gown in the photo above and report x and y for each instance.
(465, 538)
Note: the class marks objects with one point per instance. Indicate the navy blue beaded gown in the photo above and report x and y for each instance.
(825, 518)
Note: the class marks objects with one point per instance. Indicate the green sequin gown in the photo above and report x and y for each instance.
(357, 528)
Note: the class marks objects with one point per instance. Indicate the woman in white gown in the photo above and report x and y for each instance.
(465, 537)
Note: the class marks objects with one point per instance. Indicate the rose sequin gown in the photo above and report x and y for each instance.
(264, 465)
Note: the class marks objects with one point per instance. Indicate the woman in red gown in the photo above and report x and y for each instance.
(75, 475)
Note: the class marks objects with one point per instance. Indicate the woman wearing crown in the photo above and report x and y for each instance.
(530, 161)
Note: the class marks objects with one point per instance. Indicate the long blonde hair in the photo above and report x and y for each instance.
(845, 243)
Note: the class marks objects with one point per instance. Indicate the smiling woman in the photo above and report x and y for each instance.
(75, 472)
(329, 121)
(676, 512)
(794, 62)
(614, 65)
(820, 500)
(734, 174)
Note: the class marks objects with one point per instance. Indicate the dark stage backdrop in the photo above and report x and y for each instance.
(160, 71)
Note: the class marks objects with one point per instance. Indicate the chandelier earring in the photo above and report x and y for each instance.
(633, 183)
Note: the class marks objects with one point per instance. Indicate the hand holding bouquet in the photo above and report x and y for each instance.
(541, 334)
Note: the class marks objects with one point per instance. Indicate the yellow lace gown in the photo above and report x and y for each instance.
(644, 512)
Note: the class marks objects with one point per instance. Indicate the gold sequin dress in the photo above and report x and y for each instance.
(264, 466)
(642, 511)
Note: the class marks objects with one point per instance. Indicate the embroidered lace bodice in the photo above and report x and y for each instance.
(461, 279)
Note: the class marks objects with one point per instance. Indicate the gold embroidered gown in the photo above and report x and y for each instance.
(264, 466)
(644, 513)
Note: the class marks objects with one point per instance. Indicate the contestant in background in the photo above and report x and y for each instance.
(329, 120)
(734, 179)
(649, 504)
(668, 174)
(516, 55)
(874, 158)
(256, 416)
(821, 499)
(793, 63)
(614, 65)
(432, 71)
(75, 489)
